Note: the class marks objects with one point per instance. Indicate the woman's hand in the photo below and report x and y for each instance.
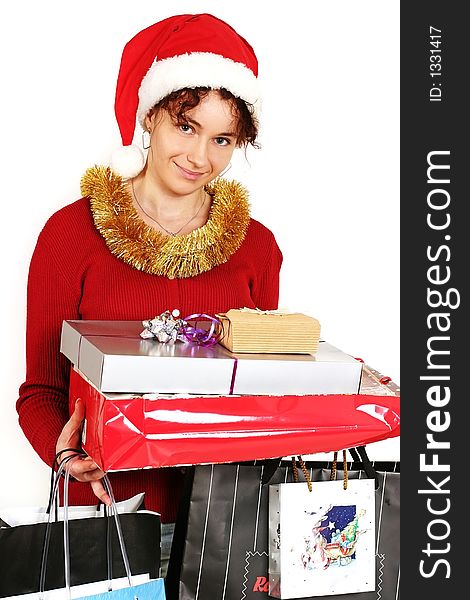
(82, 469)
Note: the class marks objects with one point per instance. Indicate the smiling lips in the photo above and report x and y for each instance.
(192, 175)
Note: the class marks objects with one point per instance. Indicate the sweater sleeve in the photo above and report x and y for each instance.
(52, 297)
(265, 288)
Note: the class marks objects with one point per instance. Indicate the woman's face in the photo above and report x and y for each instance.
(184, 157)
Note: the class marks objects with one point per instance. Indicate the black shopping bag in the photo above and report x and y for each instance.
(95, 547)
(221, 536)
(21, 552)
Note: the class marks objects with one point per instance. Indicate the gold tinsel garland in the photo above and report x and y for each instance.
(136, 243)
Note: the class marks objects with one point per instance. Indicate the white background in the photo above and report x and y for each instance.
(326, 180)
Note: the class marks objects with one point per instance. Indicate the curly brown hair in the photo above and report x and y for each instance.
(178, 103)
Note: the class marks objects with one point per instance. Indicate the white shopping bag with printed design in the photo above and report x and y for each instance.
(321, 542)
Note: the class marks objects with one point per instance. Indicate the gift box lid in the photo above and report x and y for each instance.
(116, 359)
(113, 356)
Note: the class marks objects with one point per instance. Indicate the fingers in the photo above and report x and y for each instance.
(70, 434)
(81, 469)
(76, 419)
(84, 469)
(100, 492)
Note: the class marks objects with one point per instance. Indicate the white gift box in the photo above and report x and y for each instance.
(329, 371)
(113, 356)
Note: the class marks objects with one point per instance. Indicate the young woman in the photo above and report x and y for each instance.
(151, 234)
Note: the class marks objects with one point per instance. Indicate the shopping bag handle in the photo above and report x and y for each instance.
(304, 469)
(334, 466)
(54, 495)
(359, 454)
(56, 462)
(269, 468)
(53, 502)
(306, 474)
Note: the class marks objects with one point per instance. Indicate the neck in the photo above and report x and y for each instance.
(173, 214)
(162, 203)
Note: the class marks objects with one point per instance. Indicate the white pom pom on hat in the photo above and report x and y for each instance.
(127, 161)
(178, 52)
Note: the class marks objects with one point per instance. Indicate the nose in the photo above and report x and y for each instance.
(197, 154)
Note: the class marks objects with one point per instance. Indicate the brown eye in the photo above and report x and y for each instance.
(185, 128)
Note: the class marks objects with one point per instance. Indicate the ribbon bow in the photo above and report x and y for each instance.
(167, 328)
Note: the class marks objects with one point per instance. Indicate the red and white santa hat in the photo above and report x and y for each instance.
(178, 52)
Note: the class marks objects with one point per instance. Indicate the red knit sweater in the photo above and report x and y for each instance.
(73, 275)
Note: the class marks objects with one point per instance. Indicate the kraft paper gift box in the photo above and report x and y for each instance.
(126, 431)
(271, 331)
(113, 356)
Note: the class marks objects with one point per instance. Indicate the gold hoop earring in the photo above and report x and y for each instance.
(145, 140)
